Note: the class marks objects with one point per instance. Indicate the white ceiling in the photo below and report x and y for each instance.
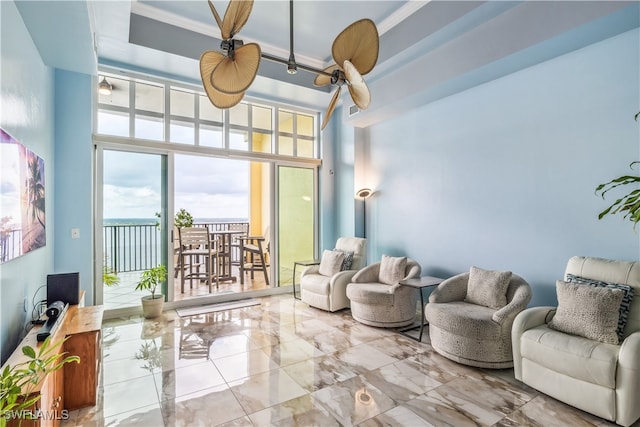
(428, 49)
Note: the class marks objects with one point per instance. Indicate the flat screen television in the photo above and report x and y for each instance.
(63, 287)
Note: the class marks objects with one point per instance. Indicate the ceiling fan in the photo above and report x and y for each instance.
(226, 75)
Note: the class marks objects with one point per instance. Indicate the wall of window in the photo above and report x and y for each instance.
(175, 114)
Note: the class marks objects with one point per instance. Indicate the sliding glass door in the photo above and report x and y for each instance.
(133, 231)
(296, 219)
(231, 197)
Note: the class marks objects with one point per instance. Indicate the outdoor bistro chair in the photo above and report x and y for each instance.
(197, 249)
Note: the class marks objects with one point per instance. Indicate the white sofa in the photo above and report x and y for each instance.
(330, 292)
(600, 378)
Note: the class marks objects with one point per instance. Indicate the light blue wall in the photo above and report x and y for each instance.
(502, 176)
(74, 176)
(26, 112)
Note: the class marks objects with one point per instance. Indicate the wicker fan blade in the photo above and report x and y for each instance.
(235, 75)
(215, 15)
(322, 79)
(357, 87)
(358, 43)
(209, 60)
(235, 17)
(331, 107)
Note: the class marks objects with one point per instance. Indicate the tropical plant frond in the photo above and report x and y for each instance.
(629, 204)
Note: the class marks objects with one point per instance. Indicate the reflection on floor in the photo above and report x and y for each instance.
(284, 363)
(124, 294)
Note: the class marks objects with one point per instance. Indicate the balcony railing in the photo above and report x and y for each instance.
(137, 247)
(10, 244)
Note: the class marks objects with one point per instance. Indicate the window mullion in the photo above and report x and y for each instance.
(167, 113)
(132, 109)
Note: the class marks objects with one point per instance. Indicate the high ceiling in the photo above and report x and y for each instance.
(428, 49)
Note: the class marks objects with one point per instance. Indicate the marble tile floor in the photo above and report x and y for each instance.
(283, 363)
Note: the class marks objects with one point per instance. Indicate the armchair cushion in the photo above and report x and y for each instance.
(331, 262)
(488, 288)
(392, 270)
(589, 312)
(625, 305)
(372, 293)
(466, 320)
(348, 259)
(571, 355)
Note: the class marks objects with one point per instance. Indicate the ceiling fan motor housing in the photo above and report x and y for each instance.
(228, 47)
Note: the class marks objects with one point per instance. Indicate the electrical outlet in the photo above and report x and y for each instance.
(75, 233)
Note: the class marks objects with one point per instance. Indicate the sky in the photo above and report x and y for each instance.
(207, 187)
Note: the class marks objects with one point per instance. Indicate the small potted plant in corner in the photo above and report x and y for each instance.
(149, 281)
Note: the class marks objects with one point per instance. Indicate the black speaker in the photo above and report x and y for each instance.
(63, 287)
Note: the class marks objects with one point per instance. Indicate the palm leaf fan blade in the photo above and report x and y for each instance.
(215, 15)
(323, 79)
(235, 74)
(235, 17)
(209, 60)
(357, 86)
(331, 107)
(358, 43)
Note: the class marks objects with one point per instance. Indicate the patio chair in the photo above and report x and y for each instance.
(197, 250)
(255, 255)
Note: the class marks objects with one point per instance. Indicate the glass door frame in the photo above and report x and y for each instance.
(98, 205)
(275, 231)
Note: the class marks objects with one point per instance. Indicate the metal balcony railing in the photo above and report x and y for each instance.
(10, 244)
(137, 247)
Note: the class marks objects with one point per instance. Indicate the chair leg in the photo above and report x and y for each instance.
(209, 270)
(264, 268)
(181, 277)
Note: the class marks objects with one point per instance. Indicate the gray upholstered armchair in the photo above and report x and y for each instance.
(379, 300)
(602, 378)
(330, 292)
(471, 331)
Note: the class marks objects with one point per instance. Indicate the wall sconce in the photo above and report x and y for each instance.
(104, 87)
(363, 194)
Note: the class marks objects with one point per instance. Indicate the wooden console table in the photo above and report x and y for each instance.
(76, 384)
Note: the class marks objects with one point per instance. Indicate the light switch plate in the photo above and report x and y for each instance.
(75, 233)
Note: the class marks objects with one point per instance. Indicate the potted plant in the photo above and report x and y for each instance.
(183, 219)
(17, 382)
(629, 204)
(149, 281)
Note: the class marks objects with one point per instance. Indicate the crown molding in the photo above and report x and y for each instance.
(408, 9)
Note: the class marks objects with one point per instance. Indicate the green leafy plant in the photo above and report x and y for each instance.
(183, 219)
(18, 382)
(109, 275)
(629, 204)
(151, 278)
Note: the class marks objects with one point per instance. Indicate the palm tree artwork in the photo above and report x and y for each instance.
(33, 220)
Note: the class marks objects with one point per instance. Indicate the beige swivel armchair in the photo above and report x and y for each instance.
(379, 300)
(330, 292)
(471, 333)
(597, 377)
